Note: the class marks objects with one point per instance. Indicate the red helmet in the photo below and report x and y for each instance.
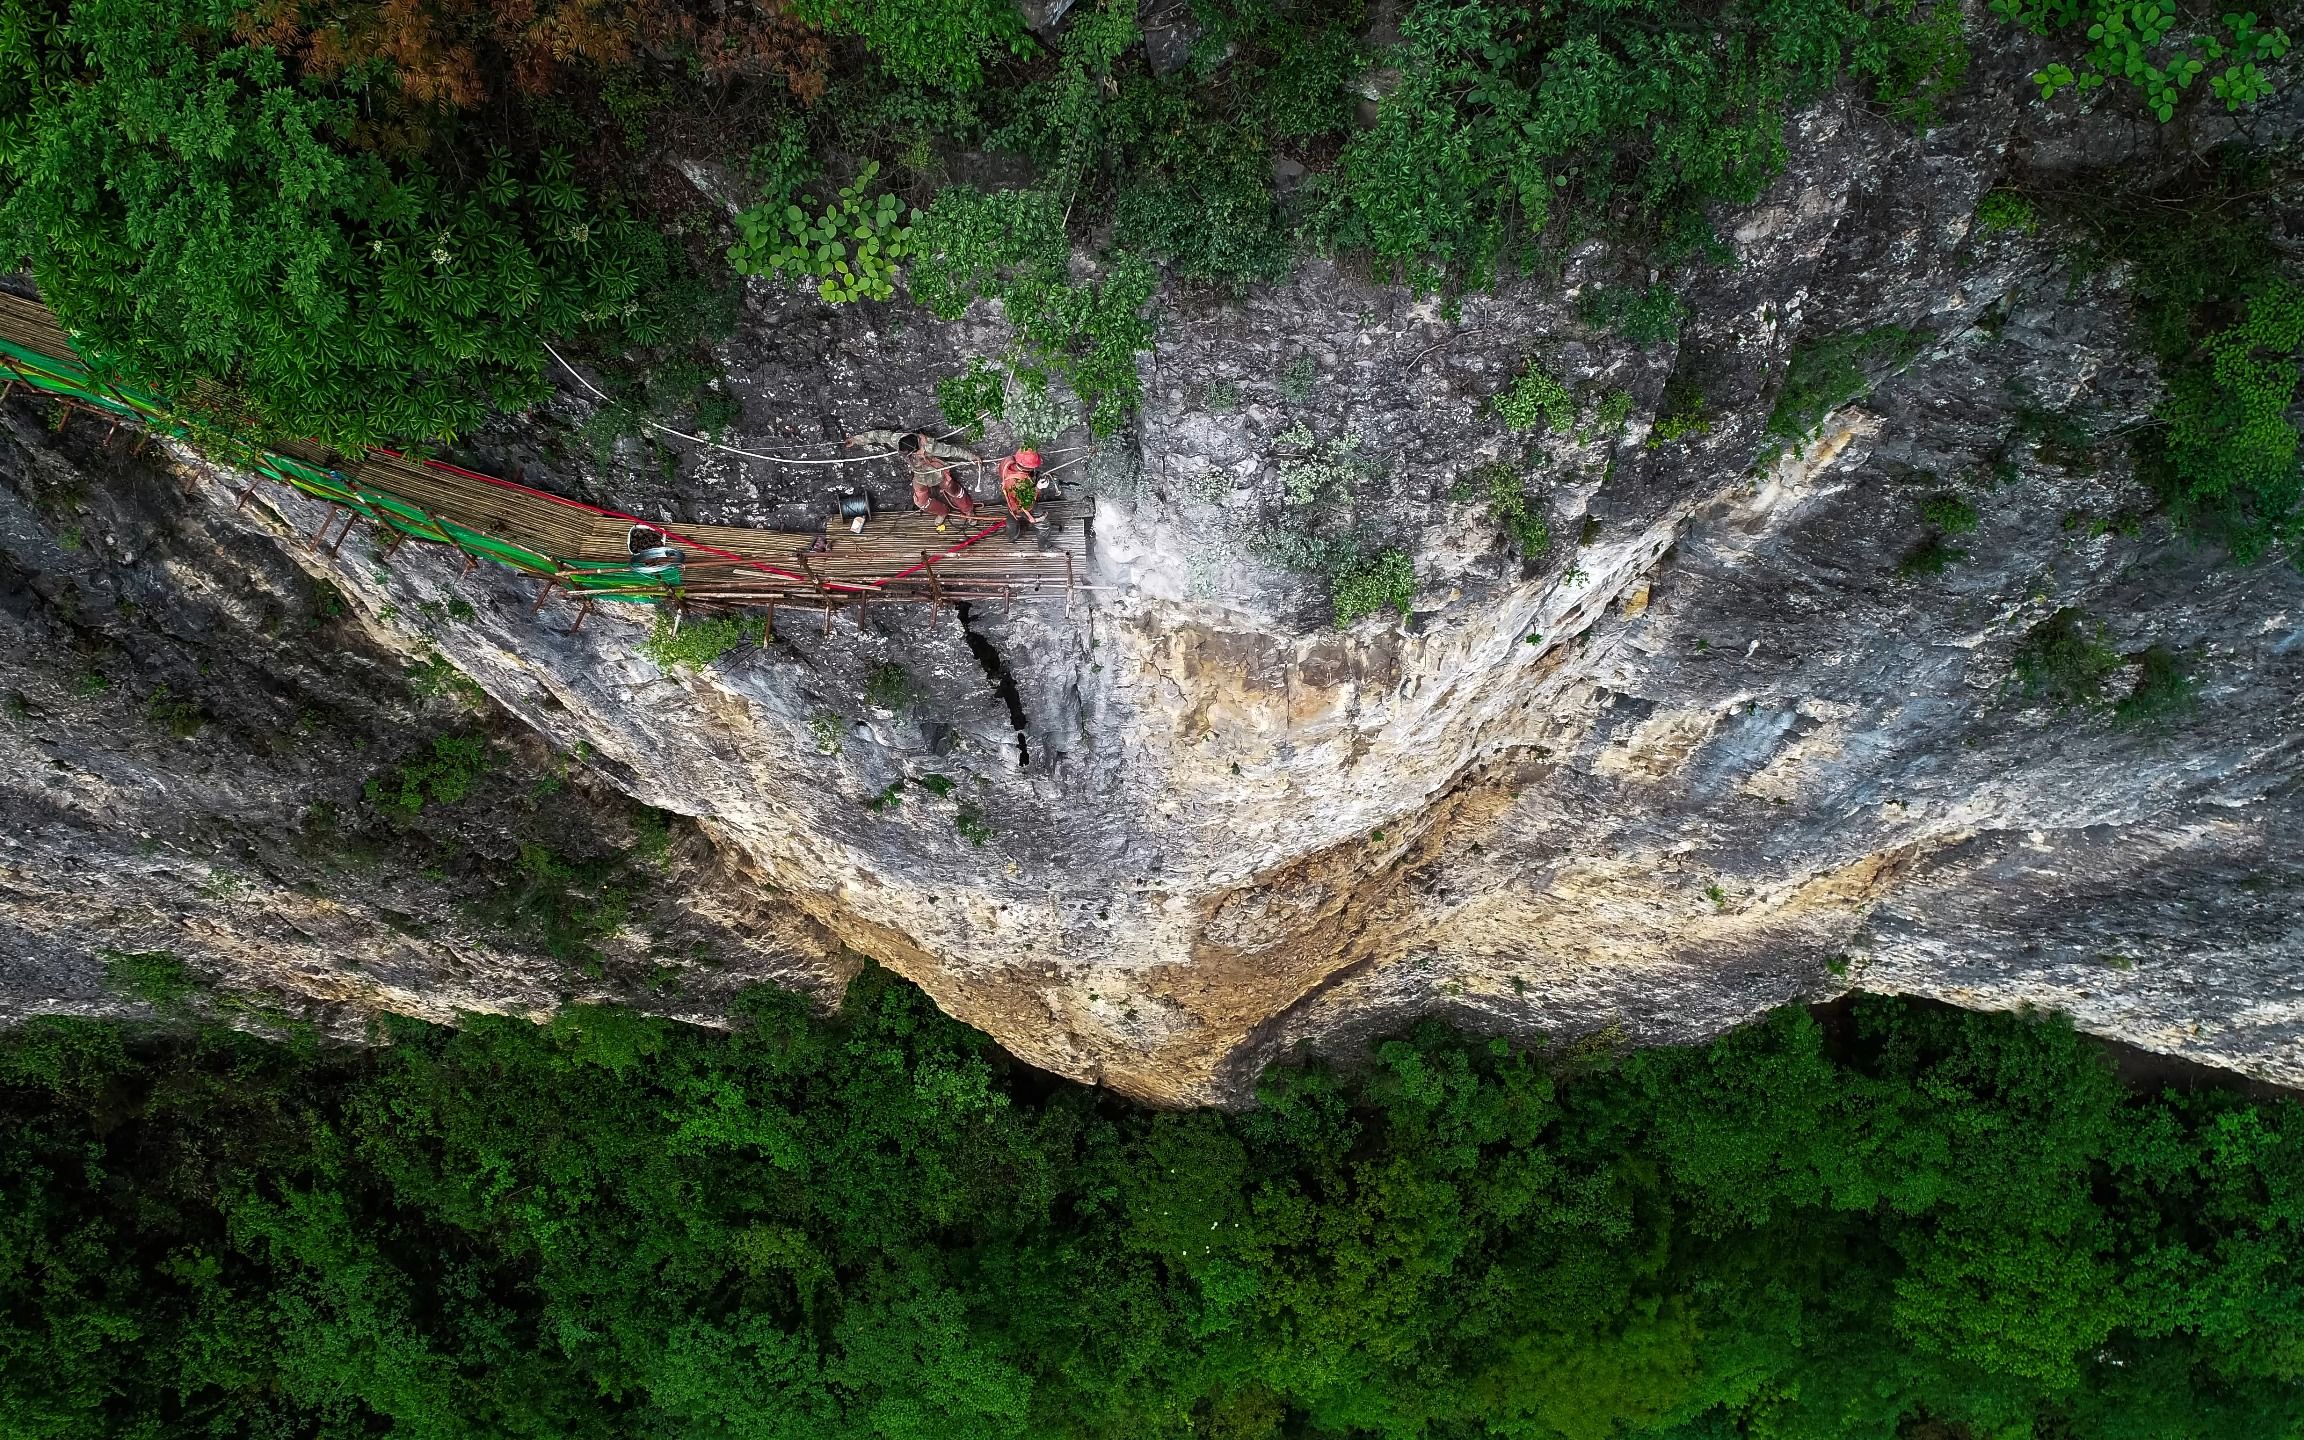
(1029, 459)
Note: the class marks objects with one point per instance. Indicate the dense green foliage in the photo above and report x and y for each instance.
(879, 1227)
(196, 212)
(2147, 44)
(443, 777)
(1512, 122)
(851, 248)
(1536, 397)
(2223, 312)
(1010, 246)
(1371, 585)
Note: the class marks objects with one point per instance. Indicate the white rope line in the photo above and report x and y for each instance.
(781, 459)
(732, 449)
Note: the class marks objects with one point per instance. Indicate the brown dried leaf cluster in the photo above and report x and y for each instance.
(440, 52)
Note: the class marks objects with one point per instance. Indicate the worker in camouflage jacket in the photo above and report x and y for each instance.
(933, 465)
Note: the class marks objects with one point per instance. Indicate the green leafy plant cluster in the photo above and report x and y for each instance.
(2164, 690)
(1535, 397)
(2222, 309)
(2144, 43)
(2005, 210)
(1648, 316)
(872, 1225)
(1519, 514)
(212, 225)
(1830, 371)
(435, 676)
(1512, 126)
(696, 641)
(1038, 412)
(1951, 514)
(1010, 246)
(443, 777)
(1931, 557)
(1316, 472)
(944, 43)
(973, 827)
(2064, 661)
(1372, 584)
(177, 715)
(889, 687)
(852, 249)
(973, 396)
(2228, 452)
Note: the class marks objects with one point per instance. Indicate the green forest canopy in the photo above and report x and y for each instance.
(877, 1226)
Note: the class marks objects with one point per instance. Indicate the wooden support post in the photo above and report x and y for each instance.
(327, 518)
(768, 630)
(583, 613)
(471, 562)
(350, 520)
(935, 586)
(242, 502)
(544, 594)
(827, 616)
(399, 538)
(1069, 582)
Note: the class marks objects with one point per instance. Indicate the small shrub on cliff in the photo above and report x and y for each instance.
(2164, 690)
(2064, 661)
(1369, 585)
(1950, 514)
(155, 977)
(1929, 559)
(1644, 317)
(696, 641)
(1520, 514)
(443, 777)
(2005, 210)
(1536, 398)
(1828, 372)
(889, 687)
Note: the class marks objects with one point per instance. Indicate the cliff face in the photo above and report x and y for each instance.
(1726, 744)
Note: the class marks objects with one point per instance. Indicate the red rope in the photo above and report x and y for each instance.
(670, 534)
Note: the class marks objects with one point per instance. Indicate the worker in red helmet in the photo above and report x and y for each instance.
(1020, 487)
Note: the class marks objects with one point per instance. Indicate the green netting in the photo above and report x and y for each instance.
(73, 380)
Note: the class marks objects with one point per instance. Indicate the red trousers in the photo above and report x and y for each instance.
(943, 503)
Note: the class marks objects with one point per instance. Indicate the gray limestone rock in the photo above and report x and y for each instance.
(1722, 745)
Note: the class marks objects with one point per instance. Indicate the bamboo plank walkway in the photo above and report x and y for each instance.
(588, 549)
